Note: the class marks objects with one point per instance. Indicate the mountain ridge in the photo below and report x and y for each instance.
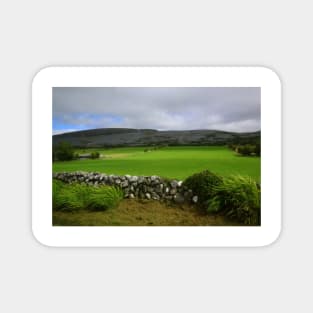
(115, 137)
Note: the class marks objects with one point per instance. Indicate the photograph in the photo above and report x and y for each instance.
(156, 156)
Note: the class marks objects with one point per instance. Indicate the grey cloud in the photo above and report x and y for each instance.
(226, 108)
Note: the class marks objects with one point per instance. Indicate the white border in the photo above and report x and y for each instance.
(198, 236)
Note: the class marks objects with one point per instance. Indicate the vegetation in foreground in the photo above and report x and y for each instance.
(135, 212)
(234, 198)
(237, 197)
(75, 197)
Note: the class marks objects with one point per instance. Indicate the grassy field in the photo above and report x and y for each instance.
(171, 162)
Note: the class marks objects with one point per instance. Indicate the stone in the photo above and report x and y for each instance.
(148, 196)
(195, 199)
(133, 179)
(124, 184)
(178, 198)
(156, 197)
(144, 187)
(141, 179)
(173, 191)
(174, 183)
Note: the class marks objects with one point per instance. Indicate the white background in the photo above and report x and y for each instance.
(35, 34)
(262, 77)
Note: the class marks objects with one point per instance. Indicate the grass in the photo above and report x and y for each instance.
(172, 162)
(75, 197)
(137, 212)
(239, 198)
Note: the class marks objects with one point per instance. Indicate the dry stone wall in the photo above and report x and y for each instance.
(143, 187)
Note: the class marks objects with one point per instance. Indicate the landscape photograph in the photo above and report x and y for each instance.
(156, 156)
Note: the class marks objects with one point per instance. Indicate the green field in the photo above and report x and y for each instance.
(170, 162)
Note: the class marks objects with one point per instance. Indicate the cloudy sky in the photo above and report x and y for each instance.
(171, 108)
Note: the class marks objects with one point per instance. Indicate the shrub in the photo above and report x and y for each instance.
(71, 197)
(95, 155)
(203, 185)
(63, 151)
(246, 149)
(239, 198)
(76, 156)
(258, 149)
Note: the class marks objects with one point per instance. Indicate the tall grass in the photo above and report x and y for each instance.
(73, 197)
(239, 197)
(104, 198)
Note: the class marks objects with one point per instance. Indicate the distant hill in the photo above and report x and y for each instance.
(114, 137)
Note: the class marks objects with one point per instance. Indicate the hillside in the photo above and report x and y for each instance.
(113, 137)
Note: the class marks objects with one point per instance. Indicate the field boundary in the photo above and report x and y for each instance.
(142, 187)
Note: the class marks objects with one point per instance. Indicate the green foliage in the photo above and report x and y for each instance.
(104, 198)
(76, 156)
(203, 185)
(73, 197)
(246, 150)
(56, 187)
(63, 151)
(95, 155)
(239, 198)
(258, 149)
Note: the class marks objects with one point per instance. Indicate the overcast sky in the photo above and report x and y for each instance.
(171, 108)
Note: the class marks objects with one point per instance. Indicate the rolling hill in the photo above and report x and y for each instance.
(117, 137)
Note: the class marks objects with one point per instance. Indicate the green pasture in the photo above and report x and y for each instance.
(171, 162)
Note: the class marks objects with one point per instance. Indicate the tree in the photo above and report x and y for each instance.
(245, 149)
(95, 155)
(258, 149)
(63, 151)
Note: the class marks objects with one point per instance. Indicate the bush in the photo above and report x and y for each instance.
(63, 151)
(258, 149)
(239, 198)
(246, 149)
(76, 156)
(95, 155)
(71, 197)
(203, 185)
